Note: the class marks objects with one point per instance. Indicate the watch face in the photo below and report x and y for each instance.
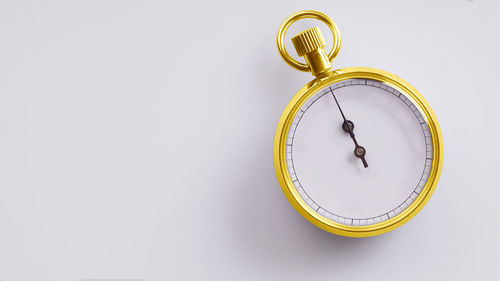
(359, 152)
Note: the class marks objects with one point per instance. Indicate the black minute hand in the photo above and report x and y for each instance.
(348, 126)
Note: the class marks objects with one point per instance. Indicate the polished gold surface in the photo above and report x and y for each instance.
(280, 40)
(312, 88)
(311, 45)
(308, 41)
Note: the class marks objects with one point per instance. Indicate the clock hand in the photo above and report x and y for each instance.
(348, 126)
(359, 151)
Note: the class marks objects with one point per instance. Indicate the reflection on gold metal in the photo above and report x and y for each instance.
(303, 15)
(310, 44)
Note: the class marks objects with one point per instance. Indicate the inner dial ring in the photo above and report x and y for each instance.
(327, 175)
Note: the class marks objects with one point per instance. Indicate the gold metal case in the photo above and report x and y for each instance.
(280, 148)
(310, 44)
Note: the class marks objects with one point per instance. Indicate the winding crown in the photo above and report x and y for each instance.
(308, 41)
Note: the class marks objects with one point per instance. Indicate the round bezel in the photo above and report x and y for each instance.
(281, 166)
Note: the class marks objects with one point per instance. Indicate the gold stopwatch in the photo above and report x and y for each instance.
(358, 151)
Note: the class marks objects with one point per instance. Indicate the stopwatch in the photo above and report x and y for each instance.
(358, 151)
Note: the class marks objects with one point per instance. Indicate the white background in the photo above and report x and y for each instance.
(136, 141)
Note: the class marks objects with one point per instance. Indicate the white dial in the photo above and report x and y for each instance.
(321, 158)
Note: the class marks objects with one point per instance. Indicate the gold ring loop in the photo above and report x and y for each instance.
(303, 15)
